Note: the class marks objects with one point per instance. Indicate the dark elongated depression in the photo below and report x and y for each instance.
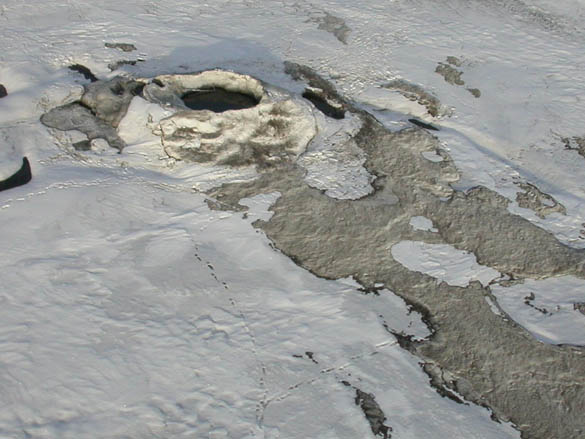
(218, 100)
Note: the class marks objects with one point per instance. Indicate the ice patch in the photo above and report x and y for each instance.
(547, 308)
(443, 262)
(422, 223)
(334, 162)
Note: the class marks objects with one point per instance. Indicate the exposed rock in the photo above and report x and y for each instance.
(19, 178)
(579, 307)
(542, 204)
(3, 92)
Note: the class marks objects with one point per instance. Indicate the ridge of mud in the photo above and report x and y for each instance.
(490, 359)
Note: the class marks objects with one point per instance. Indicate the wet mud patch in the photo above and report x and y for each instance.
(3, 92)
(19, 178)
(452, 75)
(218, 100)
(318, 98)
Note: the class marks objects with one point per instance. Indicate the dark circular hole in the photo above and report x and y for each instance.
(218, 100)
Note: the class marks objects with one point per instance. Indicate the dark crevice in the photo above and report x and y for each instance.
(21, 177)
(421, 124)
(84, 71)
(218, 100)
(322, 105)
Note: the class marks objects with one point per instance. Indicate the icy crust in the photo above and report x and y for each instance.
(333, 161)
(168, 89)
(268, 134)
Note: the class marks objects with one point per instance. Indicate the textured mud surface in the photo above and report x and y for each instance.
(124, 47)
(575, 143)
(452, 75)
(542, 204)
(484, 357)
(332, 24)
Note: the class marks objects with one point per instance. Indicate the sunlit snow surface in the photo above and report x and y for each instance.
(129, 309)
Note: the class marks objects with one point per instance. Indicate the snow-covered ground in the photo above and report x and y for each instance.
(129, 309)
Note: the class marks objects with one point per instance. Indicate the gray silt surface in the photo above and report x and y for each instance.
(493, 361)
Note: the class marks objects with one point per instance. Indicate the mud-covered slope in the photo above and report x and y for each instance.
(490, 359)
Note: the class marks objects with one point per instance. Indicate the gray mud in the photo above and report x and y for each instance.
(575, 143)
(488, 359)
(99, 112)
(453, 76)
(534, 199)
(332, 24)
(124, 47)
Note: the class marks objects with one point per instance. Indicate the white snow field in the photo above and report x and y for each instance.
(129, 309)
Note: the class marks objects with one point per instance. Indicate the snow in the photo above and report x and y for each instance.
(551, 316)
(164, 318)
(114, 324)
(443, 262)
